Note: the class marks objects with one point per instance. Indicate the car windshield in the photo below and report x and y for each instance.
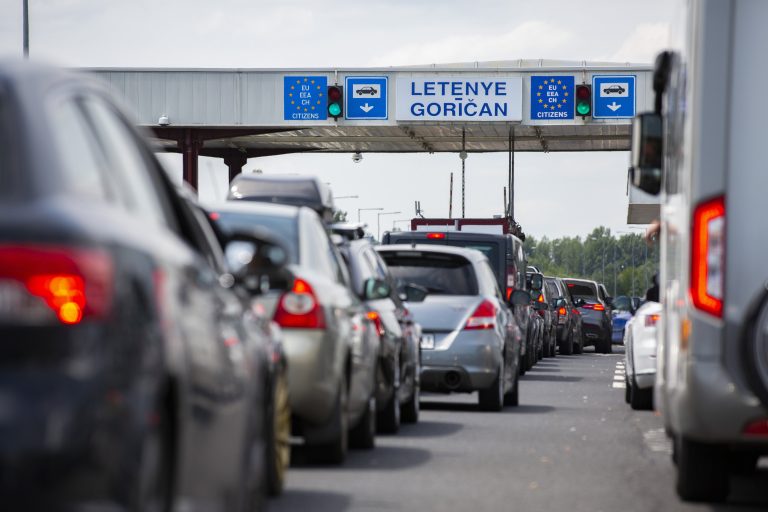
(622, 303)
(277, 191)
(582, 291)
(440, 274)
(285, 229)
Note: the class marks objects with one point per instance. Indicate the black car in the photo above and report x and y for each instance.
(399, 371)
(507, 258)
(614, 89)
(128, 377)
(307, 191)
(594, 306)
(367, 90)
(568, 318)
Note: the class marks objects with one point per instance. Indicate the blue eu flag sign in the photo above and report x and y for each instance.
(304, 98)
(552, 97)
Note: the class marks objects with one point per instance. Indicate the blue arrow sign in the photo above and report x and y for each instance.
(613, 96)
(365, 97)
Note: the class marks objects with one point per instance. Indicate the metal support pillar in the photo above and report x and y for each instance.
(511, 174)
(235, 163)
(463, 156)
(25, 28)
(190, 150)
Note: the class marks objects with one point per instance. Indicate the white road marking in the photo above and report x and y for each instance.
(657, 441)
(619, 385)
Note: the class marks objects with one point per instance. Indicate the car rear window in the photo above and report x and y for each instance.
(490, 249)
(293, 192)
(582, 291)
(441, 274)
(285, 229)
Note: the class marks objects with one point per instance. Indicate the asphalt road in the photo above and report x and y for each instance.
(571, 445)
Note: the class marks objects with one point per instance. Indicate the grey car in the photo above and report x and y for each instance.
(470, 339)
(330, 345)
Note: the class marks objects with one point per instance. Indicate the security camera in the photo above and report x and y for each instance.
(164, 121)
(357, 157)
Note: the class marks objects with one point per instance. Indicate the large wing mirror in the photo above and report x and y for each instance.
(537, 282)
(258, 264)
(647, 145)
(520, 298)
(374, 289)
(540, 306)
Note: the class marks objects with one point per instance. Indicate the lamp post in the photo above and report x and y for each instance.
(365, 209)
(378, 222)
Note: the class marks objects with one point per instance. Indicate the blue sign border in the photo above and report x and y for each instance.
(633, 97)
(348, 96)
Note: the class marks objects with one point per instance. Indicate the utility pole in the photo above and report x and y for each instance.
(614, 268)
(463, 156)
(26, 28)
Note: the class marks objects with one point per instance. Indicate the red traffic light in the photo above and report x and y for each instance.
(334, 93)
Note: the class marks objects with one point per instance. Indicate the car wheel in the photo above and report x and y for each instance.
(409, 412)
(512, 399)
(640, 399)
(278, 456)
(388, 420)
(627, 390)
(152, 473)
(578, 348)
(492, 398)
(702, 471)
(335, 451)
(567, 347)
(363, 436)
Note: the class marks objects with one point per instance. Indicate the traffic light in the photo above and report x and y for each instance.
(583, 100)
(335, 101)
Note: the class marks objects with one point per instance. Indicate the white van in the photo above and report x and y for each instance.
(703, 150)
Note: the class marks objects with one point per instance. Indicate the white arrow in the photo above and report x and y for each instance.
(614, 106)
(366, 108)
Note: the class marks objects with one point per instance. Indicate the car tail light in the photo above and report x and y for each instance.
(708, 256)
(540, 298)
(651, 320)
(40, 284)
(376, 319)
(575, 311)
(484, 316)
(299, 308)
(510, 281)
(436, 236)
(562, 311)
(594, 307)
(214, 216)
(757, 428)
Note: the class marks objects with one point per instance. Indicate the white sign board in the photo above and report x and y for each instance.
(459, 98)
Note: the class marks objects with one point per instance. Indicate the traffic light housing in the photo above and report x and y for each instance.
(335, 101)
(583, 100)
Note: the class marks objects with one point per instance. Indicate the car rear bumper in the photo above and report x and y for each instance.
(314, 373)
(467, 362)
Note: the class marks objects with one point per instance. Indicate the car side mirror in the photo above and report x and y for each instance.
(520, 298)
(537, 282)
(540, 306)
(647, 152)
(375, 289)
(258, 264)
(609, 301)
(413, 293)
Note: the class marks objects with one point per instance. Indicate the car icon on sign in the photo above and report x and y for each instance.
(367, 90)
(614, 89)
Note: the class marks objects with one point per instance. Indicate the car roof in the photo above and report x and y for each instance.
(471, 254)
(257, 208)
(454, 235)
(576, 280)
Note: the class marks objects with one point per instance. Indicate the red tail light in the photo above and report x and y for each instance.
(562, 311)
(575, 311)
(74, 284)
(651, 320)
(484, 317)
(757, 428)
(376, 319)
(436, 236)
(708, 256)
(299, 308)
(541, 297)
(595, 307)
(214, 215)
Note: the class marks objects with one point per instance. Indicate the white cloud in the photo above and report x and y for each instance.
(524, 41)
(642, 45)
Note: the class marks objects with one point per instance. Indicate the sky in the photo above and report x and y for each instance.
(557, 194)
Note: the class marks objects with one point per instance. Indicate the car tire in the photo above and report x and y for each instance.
(512, 399)
(335, 451)
(567, 347)
(578, 348)
(278, 429)
(409, 411)
(388, 420)
(640, 399)
(492, 397)
(627, 390)
(702, 471)
(363, 435)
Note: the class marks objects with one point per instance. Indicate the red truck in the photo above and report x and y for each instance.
(496, 225)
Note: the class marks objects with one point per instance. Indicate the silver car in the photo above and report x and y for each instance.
(640, 339)
(470, 340)
(330, 345)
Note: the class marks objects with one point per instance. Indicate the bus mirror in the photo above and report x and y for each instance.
(645, 172)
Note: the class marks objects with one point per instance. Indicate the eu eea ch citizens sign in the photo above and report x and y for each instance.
(552, 98)
(304, 98)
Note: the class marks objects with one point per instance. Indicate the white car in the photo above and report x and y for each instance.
(640, 338)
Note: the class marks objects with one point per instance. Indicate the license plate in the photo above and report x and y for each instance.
(428, 341)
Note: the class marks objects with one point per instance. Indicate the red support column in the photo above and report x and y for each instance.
(235, 162)
(190, 150)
